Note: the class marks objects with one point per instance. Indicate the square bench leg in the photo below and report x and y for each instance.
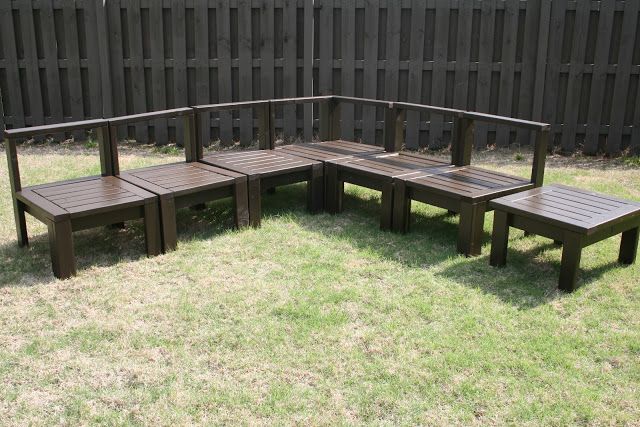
(629, 246)
(168, 222)
(471, 228)
(499, 239)
(401, 207)
(241, 203)
(63, 259)
(255, 202)
(153, 235)
(386, 215)
(315, 189)
(21, 223)
(571, 254)
(334, 189)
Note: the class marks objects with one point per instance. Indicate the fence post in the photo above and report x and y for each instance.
(266, 126)
(393, 128)
(462, 141)
(102, 32)
(329, 120)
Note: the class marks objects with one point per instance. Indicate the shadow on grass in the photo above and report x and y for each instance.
(106, 246)
(525, 282)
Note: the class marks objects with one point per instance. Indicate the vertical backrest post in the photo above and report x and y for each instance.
(329, 112)
(113, 149)
(104, 148)
(190, 137)
(198, 149)
(393, 128)
(14, 170)
(539, 157)
(462, 141)
(266, 126)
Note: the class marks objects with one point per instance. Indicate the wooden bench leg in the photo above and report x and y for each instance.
(255, 202)
(315, 189)
(332, 189)
(571, 253)
(401, 207)
(21, 223)
(629, 246)
(471, 228)
(63, 258)
(241, 203)
(152, 233)
(386, 216)
(499, 239)
(168, 222)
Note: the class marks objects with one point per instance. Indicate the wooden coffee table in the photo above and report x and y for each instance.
(576, 218)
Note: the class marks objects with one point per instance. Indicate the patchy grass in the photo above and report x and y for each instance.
(315, 319)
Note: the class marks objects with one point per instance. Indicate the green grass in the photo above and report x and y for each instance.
(315, 319)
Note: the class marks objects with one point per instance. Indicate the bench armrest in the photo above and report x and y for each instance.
(53, 128)
(134, 118)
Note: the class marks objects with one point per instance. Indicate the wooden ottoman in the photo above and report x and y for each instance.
(267, 169)
(574, 217)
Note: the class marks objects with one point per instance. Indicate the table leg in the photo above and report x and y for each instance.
(471, 228)
(168, 222)
(332, 188)
(571, 253)
(21, 223)
(63, 258)
(387, 206)
(499, 239)
(255, 202)
(241, 203)
(153, 235)
(315, 189)
(629, 246)
(401, 207)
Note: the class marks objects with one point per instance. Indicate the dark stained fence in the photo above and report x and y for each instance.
(574, 64)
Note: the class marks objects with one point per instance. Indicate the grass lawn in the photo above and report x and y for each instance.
(315, 319)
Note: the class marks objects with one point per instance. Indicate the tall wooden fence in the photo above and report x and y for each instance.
(574, 64)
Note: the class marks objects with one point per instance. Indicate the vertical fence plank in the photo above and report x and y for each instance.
(392, 60)
(245, 71)
(574, 82)
(117, 61)
(267, 17)
(290, 67)
(51, 63)
(158, 75)
(136, 67)
(73, 63)
(541, 62)
(416, 66)
(178, 12)
(308, 68)
(32, 70)
(463, 54)
(503, 134)
(528, 67)
(201, 18)
(372, 9)
(552, 86)
(599, 76)
(348, 67)
(12, 100)
(485, 59)
(325, 69)
(91, 31)
(438, 81)
(224, 67)
(627, 39)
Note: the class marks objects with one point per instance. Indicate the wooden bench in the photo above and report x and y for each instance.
(465, 189)
(571, 216)
(78, 204)
(265, 168)
(183, 184)
(377, 172)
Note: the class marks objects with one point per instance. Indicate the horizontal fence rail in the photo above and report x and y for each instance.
(575, 65)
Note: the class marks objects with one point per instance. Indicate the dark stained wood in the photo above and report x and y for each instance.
(576, 218)
(329, 150)
(266, 169)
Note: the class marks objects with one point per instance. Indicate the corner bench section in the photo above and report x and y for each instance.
(575, 217)
(79, 204)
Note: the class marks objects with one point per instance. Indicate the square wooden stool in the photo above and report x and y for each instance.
(377, 172)
(269, 169)
(180, 185)
(462, 189)
(576, 218)
(79, 204)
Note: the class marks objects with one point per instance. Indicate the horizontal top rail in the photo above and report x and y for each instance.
(176, 112)
(212, 108)
(502, 120)
(54, 128)
(428, 108)
(364, 101)
(302, 100)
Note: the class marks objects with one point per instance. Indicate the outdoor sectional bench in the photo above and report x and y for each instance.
(78, 204)
(182, 184)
